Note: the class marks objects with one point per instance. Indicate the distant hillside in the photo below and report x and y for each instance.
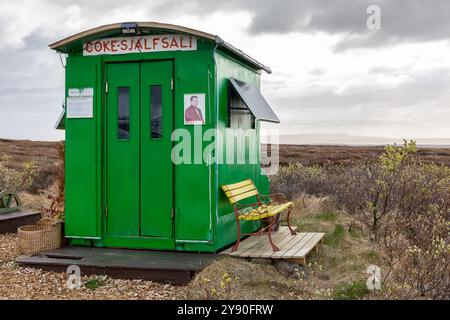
(21, 151)
(44, 152)
(323, 154)
(345, 139)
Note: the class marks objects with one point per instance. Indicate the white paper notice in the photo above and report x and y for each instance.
(80, 103)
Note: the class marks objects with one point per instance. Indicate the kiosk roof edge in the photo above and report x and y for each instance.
(64, 45)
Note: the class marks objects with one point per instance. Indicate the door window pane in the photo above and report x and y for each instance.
(123, 95)
(156, 111)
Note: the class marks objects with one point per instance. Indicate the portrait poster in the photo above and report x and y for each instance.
(194, 109)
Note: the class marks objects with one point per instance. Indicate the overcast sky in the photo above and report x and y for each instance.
(331, 74)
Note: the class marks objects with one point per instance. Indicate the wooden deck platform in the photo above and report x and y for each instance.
(9, 222)
(163, 266)
(294, 248)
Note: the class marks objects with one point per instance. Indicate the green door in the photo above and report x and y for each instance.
(139, 170)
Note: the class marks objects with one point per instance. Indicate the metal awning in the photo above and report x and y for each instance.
(61, 123)
(254, 100)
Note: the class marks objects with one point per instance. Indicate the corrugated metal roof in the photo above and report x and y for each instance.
(65, 45)
(254, 100)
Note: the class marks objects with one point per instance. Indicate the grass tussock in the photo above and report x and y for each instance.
(351, 290)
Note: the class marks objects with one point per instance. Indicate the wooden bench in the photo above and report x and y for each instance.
(266, 208)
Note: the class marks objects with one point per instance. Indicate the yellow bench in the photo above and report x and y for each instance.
(266, 208)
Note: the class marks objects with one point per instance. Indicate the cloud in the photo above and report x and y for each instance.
(415, 108)
(398, 82)
(401, 20)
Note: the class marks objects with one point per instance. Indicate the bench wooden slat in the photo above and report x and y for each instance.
(242, 196)
(237, 185)
(238, 191)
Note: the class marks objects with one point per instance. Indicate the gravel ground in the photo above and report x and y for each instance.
(28, 283)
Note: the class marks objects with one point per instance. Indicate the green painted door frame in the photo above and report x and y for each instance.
(139, 182)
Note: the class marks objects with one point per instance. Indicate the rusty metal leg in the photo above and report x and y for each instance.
(236, 245)
(293, 233)
(274, 247)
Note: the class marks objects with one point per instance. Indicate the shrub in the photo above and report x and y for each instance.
(15, 180)
(44, 178)
(57, 207)
(402, 203)
(296, 179)
(394, 187)
(417, 252)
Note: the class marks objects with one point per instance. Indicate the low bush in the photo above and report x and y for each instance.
(44, 178)
(417, 252)
(402, 204)
(16, 180)
(57, 206)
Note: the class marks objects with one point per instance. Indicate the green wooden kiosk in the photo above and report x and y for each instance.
(133, 91)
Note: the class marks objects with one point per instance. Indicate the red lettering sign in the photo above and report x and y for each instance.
(149, 43)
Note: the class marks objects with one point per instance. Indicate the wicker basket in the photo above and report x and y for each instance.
(45, 235)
